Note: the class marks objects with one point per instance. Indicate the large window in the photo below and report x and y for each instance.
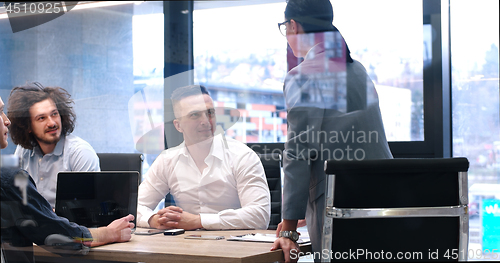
(393, 54)
(103, 54)
(476, 115)
(244, 64)
(111, 58)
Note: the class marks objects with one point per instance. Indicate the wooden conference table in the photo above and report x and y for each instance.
(161, 248)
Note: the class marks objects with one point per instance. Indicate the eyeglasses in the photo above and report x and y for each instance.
(282, 27)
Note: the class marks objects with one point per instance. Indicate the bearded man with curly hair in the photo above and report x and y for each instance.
(42, 120)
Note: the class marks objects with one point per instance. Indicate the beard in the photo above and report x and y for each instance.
(52, 140)
(48, 139)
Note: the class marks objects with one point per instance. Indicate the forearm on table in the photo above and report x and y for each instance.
(100, 236)
(168, 220)
(190, 222)
(248, 217)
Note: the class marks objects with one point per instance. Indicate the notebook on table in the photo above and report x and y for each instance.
(95, 199)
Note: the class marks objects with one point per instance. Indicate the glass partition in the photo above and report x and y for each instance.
(476, 116)
(102, 54)
(244, 64)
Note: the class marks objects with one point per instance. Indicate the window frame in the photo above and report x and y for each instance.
(436, 81)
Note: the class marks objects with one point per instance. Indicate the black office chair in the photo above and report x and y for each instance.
(121, 162)
(415, 209)
(272, 168)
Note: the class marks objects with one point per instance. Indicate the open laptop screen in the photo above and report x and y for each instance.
(95, 199)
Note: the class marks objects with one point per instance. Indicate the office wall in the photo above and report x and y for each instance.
(87, 52)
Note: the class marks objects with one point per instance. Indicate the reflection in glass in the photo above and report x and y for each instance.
(244, 64)
(476, 120)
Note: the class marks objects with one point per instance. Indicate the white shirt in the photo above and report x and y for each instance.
(70, 154)
(231, 193)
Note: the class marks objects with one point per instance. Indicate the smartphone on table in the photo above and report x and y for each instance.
(166, 232)
(150, 232)
(174, 232)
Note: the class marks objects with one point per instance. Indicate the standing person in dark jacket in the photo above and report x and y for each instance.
(333, 114)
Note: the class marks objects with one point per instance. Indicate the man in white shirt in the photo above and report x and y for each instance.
(42, 122)
(216, 182)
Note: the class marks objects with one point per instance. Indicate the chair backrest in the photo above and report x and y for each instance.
(272, 168)
(403, 207)
(121, 162)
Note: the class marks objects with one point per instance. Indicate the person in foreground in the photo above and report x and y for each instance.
(216, 182)
(34, 221)
(333, 114)
(42, 122)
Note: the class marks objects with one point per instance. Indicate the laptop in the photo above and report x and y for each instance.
(95, 199)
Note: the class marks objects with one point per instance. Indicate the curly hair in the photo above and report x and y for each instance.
(20, 101)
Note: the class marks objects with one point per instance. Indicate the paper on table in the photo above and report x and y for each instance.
(267, 238)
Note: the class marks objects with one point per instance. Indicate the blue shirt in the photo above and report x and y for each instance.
(70, 154)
